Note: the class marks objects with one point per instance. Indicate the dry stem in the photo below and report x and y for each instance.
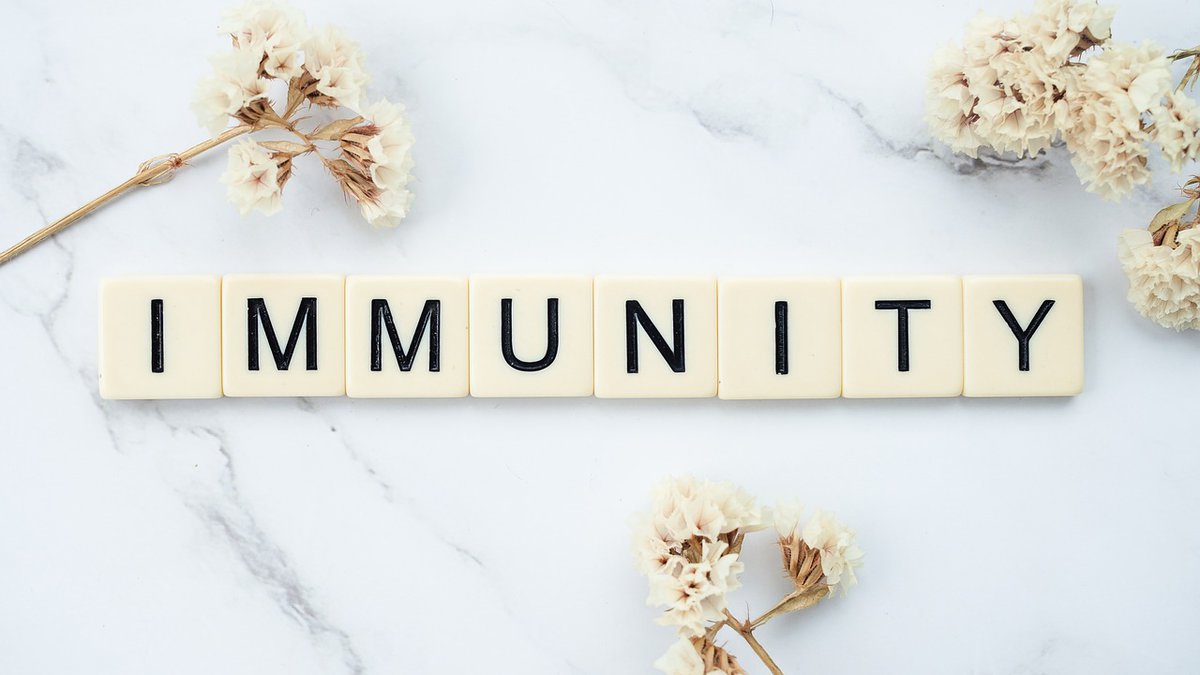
(153, 172)
(747, 632)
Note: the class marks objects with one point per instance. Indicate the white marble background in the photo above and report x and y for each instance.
(357, 536)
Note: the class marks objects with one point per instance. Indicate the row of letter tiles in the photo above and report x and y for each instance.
(612, 337)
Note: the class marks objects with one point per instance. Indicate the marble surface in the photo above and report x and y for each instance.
(456, 536)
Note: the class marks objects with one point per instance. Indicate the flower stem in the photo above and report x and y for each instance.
(152, 172)
(747, 632)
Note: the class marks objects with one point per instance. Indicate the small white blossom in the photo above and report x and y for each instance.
(949, 103)
(336, 63)
(787, 517)
(254, 178)
(1066, 28)
(233, 86)
(388, 208)
(681, 659)
(390, 145)
(1177, 130)
(1014, 85)
(273, 31)
(839, 553)
(694, 593)
(1164, 282)
(1104, 130)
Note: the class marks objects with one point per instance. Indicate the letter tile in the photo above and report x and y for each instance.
(779, 337)
(406, 337)
(902, 337)
(1023, 335)
(283, 335)
(160, 337)
(531, 336)
(656, 338)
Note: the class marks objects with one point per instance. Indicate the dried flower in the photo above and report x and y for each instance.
(1105, 132)
(839, 552)
(1164, 279)
(1014, 85)
(234, 86)
(689, 546)
(272, 31)
(693, 590)
(334, 65)
(949, 103)
(697, 656)
(1177, 129)
(1067, 28)
(1020, 83)
(255, 177)
(819, 554)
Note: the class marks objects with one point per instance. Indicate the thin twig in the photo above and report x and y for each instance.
(747, 634)
(150, 173)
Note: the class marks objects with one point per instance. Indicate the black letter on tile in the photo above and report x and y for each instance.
(506, 337)
(431, 316)
(306, 318)
(634, 314)
(902, 307)
(1023, 335)
(781, 338)
(156, 335)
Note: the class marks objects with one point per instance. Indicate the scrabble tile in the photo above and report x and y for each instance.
(1023, 335)
(779, 337)
(160, 337)
(656, 338)
(531, 336)
(406, 337)
(902, 337)
(282, 335)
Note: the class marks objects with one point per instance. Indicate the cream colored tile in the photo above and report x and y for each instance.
(656, 338)
(300, 352)
(406, 337)
(902, 337)
(531, 336)
(160, 337)
(1023, 335)
(779, 337)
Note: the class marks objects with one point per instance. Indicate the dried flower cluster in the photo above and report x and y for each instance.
(1017, 85)
(369, 153)
(1163, 264)
(688, 546)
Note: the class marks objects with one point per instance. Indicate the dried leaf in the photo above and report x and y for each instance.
(335, 129)
(287, 147)
(799, 601)
(1171, 214)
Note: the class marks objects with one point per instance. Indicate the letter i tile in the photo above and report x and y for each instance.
(160, 337)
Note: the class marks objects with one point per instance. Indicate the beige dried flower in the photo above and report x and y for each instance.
(234, 90)
(1062, 29)
(272, 31)
(1164, 276)
(698, 656)
(1014, 85)
(323, 67)
(1176, 130)
(1104, 131)
(949, 103)
(689, 545)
